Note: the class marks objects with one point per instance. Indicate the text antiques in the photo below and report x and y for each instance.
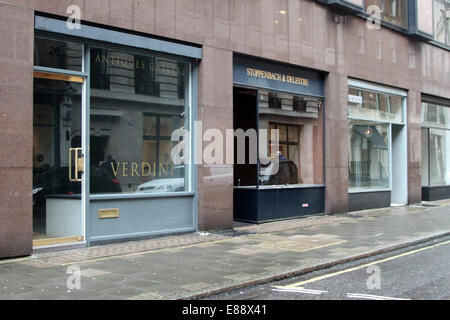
(138, 62)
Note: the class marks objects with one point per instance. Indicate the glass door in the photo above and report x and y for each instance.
(58, 161)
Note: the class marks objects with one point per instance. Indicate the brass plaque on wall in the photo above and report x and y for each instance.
(108, 213)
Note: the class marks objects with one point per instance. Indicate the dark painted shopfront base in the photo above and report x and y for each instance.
(369, 200)
(263, 205)
(435, 193)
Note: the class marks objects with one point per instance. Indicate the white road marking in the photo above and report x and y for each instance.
(299, 290)
(329, 275)
(371, 297)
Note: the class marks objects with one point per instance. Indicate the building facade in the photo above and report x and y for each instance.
(356, 93)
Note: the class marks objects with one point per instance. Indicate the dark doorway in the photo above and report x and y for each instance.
(244, 117)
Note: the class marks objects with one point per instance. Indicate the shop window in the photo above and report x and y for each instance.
(99, 64)
(58, 54)
(300, 146)
(369, 156)
(145, 77)
(435, 145)
(299, 149)
(373, 115)
(441, 14)
(274, 101)
(131, 125)
(392, 11)
(365, 104)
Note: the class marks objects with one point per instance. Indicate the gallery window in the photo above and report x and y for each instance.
(392, 11)
(369, 163)
(371, 116)
(300, 138)
(58, 54)
(435, 145)
(136, 102)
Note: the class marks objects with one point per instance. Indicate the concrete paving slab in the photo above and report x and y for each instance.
(189, 267)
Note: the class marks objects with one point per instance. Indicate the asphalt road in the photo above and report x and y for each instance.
(418, 273)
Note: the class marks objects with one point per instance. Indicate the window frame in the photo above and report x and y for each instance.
(377, 88)
(428, 126)
(191, 89)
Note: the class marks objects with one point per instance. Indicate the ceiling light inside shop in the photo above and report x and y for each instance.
(283, 11)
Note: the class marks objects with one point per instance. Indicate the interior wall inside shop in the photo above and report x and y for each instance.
(244, 117)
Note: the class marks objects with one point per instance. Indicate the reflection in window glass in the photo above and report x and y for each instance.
(435, 145)
(57, 129)
(436, 115)
(300, 147)
(439, 157)
(136, 103)
(375, 106)
(368, 156)
(393, 11)
(442, 21)
(58, 54)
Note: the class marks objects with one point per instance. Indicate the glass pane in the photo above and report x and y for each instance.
(393, 11)
(167, 125)
(58, 54)
(298, 159)
(283, 133)
(439, 158)
(375, 106)
(369, 156)
(442, 21)
(436, 115)
(293, 154)
(293, 134)
(56, 129)
(150, 125)
(136, 103)
(395, 104)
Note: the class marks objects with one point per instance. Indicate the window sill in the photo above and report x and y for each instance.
(133, 196)
(369, 190)
(290, 186)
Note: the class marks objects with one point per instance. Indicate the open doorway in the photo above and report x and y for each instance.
(244, 117)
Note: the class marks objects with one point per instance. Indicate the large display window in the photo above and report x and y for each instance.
(441, 13)
(299, 122)
(374, 115)
(435, 145)
(103, 119)
(392, 11)
(369, 165)
(296, 158)
(137, 101)
(278, 119)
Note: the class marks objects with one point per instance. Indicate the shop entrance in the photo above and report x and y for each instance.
(58, 161)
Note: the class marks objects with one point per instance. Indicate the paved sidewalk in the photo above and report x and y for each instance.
(198, 264)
